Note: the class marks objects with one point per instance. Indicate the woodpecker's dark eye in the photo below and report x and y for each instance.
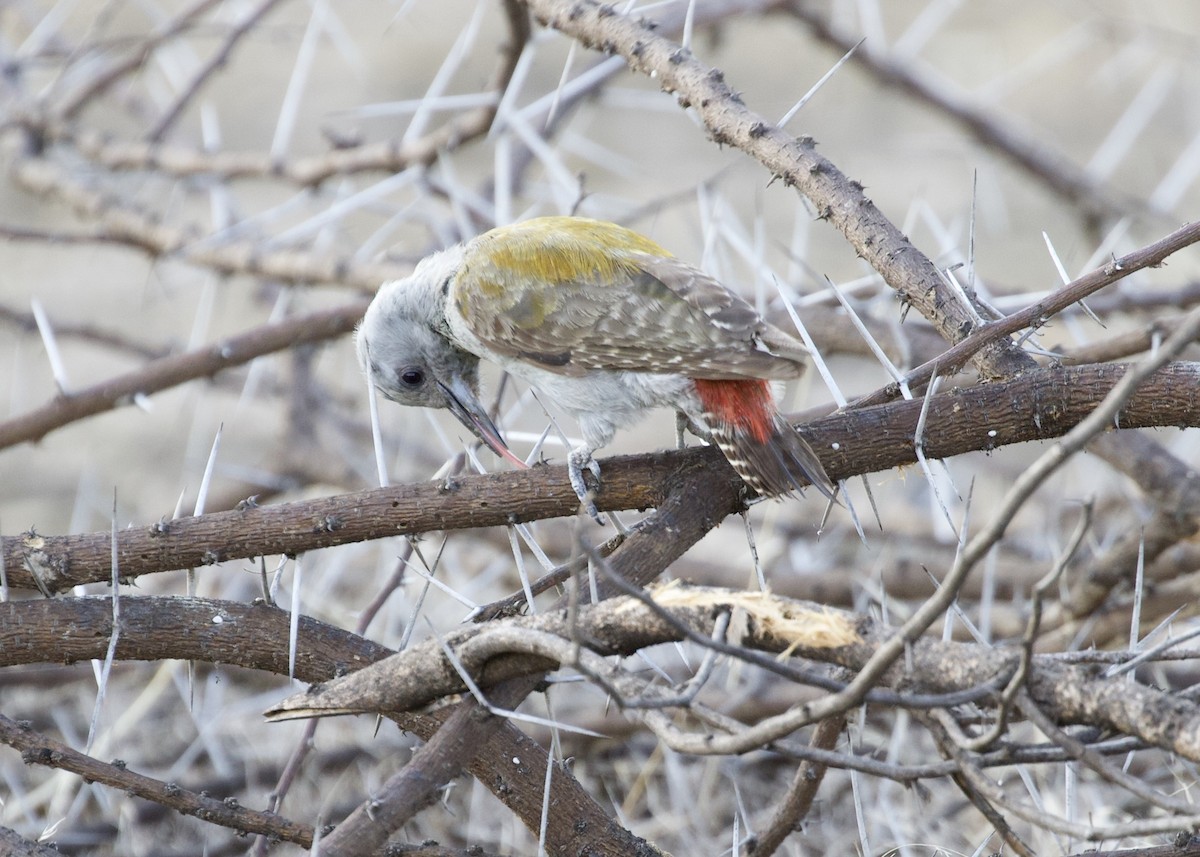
(412, 377)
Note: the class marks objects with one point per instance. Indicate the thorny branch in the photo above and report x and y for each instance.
(951, 688)
(1038, 405)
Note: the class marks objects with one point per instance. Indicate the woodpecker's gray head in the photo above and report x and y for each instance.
(404, 348)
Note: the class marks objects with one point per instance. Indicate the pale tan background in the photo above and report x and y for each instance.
(1064, 73)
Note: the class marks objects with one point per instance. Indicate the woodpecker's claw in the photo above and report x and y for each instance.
(577, 459)
(681, 426)
(686, 425)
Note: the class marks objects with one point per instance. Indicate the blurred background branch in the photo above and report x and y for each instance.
(198, 198)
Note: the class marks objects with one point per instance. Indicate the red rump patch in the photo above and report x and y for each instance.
(745, 406)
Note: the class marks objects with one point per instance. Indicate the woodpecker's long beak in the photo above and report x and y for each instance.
(461, 402)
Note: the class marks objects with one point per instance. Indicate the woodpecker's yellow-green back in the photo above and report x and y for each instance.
(555, 250)
(573, 294)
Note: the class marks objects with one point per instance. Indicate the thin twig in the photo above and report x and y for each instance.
(794, 807)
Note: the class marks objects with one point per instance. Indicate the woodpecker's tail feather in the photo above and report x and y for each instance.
(763, 447)
(780, 465)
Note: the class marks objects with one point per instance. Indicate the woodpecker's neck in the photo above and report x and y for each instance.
(424, 294)
(435, 280)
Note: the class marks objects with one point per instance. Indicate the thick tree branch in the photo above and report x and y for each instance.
(256, 636)
(1035, 406)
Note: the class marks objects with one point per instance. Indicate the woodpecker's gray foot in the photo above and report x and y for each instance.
(684, 423)
(578, 459)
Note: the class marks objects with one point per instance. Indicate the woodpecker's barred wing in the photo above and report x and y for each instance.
(642, 313)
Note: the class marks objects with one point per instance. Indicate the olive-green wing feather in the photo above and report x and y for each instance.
(641, 312)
